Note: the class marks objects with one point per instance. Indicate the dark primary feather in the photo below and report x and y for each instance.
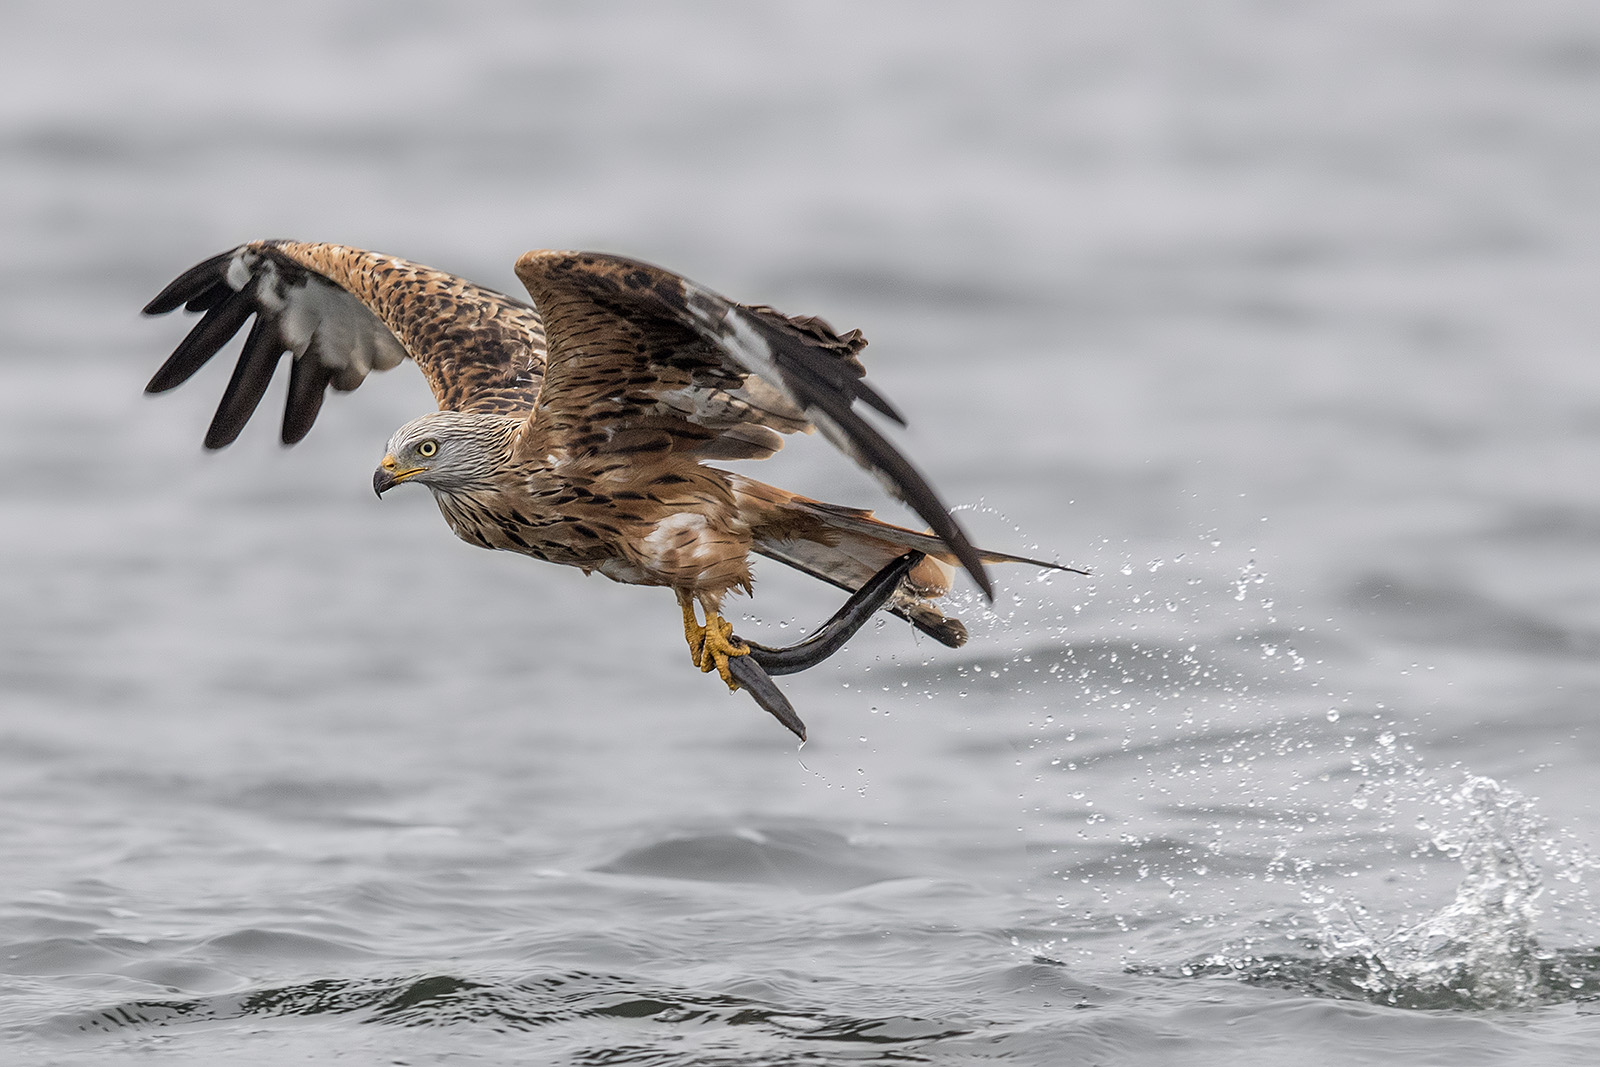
(844, 376)
(192, 286)
(308, 384)
(251, 376)
(215, 329)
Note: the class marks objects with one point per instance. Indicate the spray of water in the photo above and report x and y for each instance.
(1479, 950)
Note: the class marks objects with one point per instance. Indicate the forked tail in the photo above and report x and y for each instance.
(847, 546)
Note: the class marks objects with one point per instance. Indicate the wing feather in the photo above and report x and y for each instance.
(308, 384)
(195, 288)
(342, 313)
(216, 328)
(251, 376)
(630, 342)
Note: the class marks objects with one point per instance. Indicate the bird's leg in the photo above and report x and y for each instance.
(711, 645)
(693, 632)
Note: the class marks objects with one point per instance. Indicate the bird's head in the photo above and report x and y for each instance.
(448, 451)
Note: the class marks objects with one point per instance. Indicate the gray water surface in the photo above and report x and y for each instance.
(1280, 318)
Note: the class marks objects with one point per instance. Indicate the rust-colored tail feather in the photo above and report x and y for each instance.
(847, 546)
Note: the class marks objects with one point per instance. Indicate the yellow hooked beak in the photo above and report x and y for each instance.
(388, 475)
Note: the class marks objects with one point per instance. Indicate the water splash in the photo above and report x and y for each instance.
(1218, 708)
(1479, 950)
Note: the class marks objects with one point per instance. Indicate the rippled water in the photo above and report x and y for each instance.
(1278, 317)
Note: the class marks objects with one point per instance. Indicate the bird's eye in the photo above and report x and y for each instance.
(428, 449)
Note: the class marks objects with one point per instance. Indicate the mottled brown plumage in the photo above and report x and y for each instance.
(579, 432)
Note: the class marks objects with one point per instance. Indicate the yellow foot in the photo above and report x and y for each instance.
(693, 632)
(718, 645)
(711, 645)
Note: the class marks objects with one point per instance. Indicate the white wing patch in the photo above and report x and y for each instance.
(349, 340)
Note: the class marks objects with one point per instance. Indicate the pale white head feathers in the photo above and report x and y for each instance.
(448, 451)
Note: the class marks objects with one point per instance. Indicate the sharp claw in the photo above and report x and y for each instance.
(711, 646)
(718, 646)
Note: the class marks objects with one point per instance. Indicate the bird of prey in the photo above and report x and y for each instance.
(581, 430)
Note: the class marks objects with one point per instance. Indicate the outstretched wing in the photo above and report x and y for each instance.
(642, 360)
(342, 313)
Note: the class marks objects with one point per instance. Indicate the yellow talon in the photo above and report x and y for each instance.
(711, 645)
(718, 646)
(693, 632)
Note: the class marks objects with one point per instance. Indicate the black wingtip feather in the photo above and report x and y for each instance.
(251, 376)
(191, 285)
(914, 489)
(308, 383)
(215, 329)
(209, 299)
(877, 401)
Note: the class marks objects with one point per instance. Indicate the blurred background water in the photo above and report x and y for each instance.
(1279, 316)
